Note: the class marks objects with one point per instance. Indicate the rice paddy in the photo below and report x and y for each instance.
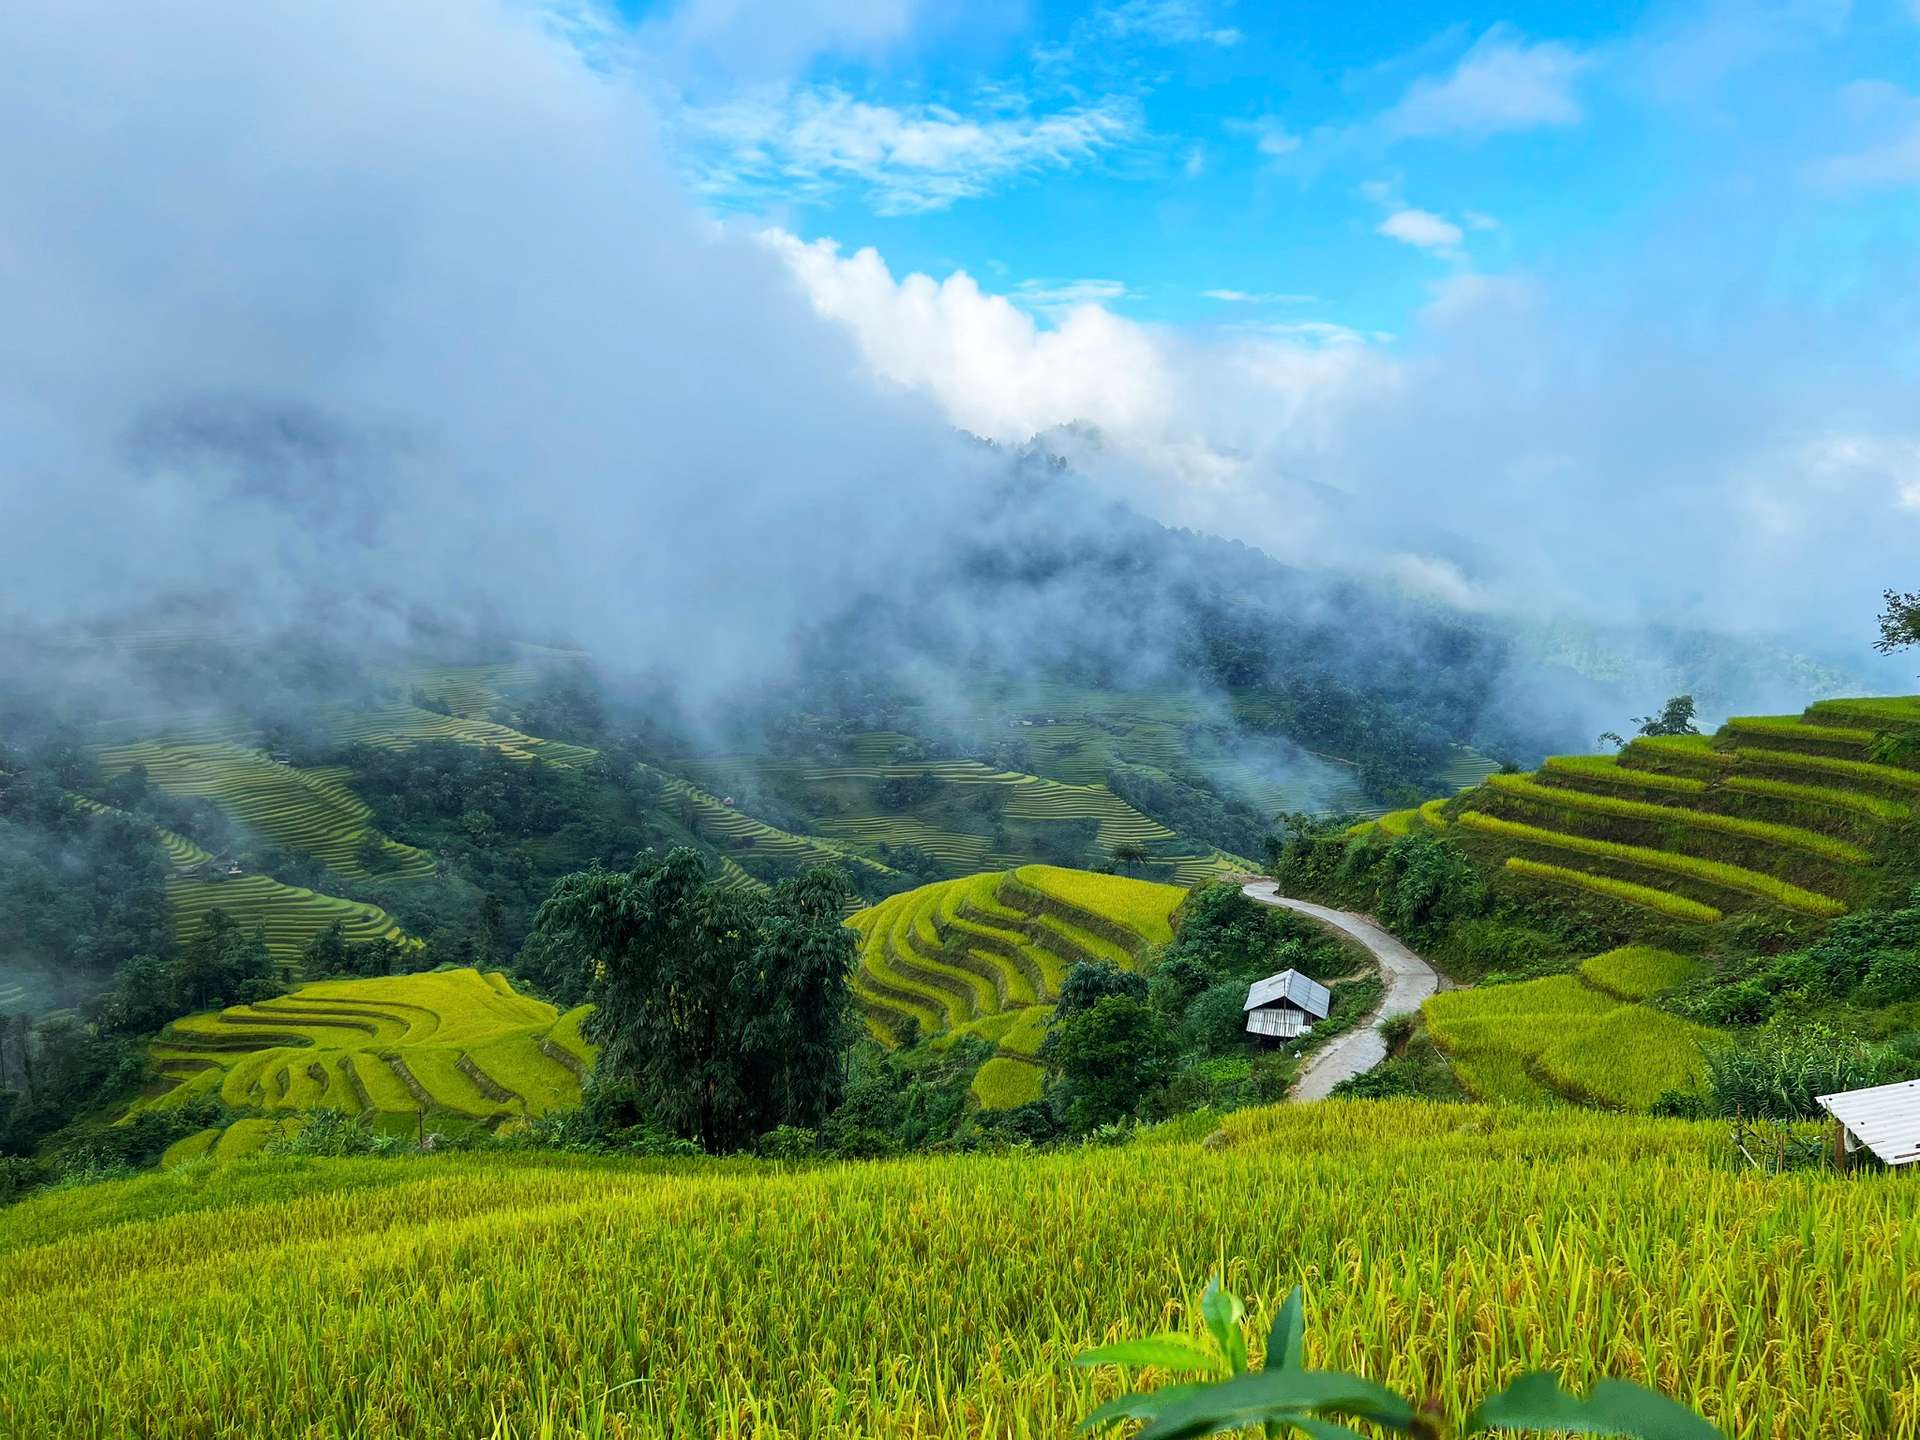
(1442, 1249)
(986, 956)
(1645, 897)
(310, 812)
(288, 916)
(1638, 972)
(400, 726)
(1713, 872)
(455, 1045)
(1566, 1038)
(1696, 827)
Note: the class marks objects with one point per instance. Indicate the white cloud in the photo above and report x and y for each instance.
(805, 143)
(1424, 229)
(1501, 84)
(1270, 135)
(1258, 297)
(1051, 296)
(1195, 165)
(1888, 121)
(1166, 22)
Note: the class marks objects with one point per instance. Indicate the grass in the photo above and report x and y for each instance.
(478, 1051)
(1607, 770)
(520, 1296)
(1712, 872)
(1637, 972)
(1827, 847)
(1902, 713)
(1686, 749)
(1678, 907)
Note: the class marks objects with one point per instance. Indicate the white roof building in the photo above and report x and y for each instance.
(1285, 1006)
(1884, 1119)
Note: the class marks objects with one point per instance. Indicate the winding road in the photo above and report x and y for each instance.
(1410, 981)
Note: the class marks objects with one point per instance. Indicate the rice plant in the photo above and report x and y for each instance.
(451, 1041)
(1780, 727)
(1791, 836)
(1445, 1249)
(1864, 771)
(1636, 972)
(1713, 872)
(1860, 802)
(1679, 907)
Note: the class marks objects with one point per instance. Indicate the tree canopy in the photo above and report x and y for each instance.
(723, 1012)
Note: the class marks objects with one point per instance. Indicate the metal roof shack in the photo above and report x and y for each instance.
(1884, 1119)
(1285, 1006)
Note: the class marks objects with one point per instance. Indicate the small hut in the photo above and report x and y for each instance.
(1882, 1118)
(1284, 1006)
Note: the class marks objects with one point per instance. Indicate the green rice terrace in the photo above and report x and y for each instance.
(985, 956)
(1771, 815)
(310, 812)
(452, 1048)
(288, 916)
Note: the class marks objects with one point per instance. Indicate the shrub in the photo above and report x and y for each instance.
(333, 1132)
(1778, 1075)
(1428, 884)
(1216, 1021)
(1892, 976)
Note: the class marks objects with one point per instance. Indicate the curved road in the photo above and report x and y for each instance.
(1410, 981)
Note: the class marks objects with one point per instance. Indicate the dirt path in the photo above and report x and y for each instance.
(1410, 981)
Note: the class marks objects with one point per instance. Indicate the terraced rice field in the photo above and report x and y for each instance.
(985, 956)
(11, 995)
(1442, 1250)
(950, 847)
(1785, 812)
(290, 916)
(711, 818)
(1566, 1039)
(449, 1045)
(310, 812)
(399, 727)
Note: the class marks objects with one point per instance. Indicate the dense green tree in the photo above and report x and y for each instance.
(1675, 718)
(1899, 622)
(1109, 1059)
(726, 1013)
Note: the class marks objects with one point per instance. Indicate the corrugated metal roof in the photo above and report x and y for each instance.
(1309, 995)
(1278, 1023)
(1884, 1118)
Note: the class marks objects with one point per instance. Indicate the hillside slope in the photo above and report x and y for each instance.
(454, 1047)
(985, 956)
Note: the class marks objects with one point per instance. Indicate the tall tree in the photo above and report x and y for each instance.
(726, 1012)
(1899, 622)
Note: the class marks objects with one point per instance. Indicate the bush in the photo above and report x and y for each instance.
(789, 1142)
(1778, 1075)
(1216, 1021)
(334, 1132)
(1892, 976)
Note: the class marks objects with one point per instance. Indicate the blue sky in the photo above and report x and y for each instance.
(1334, 162)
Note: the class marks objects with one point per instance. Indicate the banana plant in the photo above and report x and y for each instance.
(1286, 1398)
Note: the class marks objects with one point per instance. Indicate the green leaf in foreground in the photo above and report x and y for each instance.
(1282, 1395)
(1616, 1407)
(1224, 1312)
(1286, 1340)
(1169, 1352)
